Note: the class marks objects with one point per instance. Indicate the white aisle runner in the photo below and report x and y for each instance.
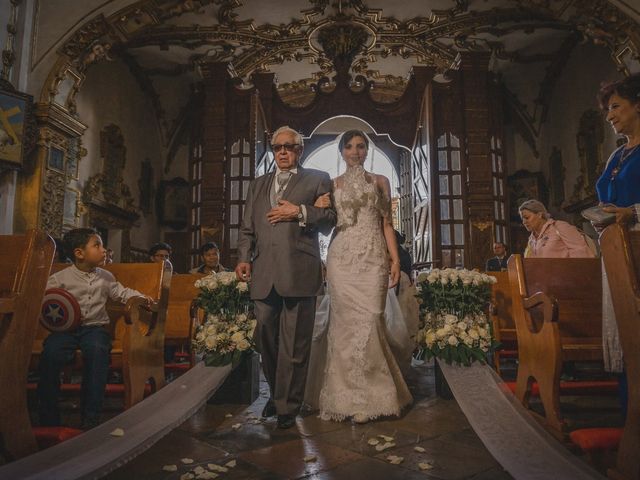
(96, 452)
(514, 438)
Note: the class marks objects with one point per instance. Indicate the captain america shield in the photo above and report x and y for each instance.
(60, 311)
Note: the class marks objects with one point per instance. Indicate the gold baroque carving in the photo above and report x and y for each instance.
(52, 203)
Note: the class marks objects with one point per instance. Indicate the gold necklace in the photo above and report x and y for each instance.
(626, 153)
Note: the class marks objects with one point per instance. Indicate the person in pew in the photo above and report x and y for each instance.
(551, 238)
(499, 262)
(210, 255)
(91, 286)
(619, 192)
(159, 252)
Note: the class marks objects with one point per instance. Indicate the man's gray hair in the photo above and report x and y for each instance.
(288, 129)
(534, 206)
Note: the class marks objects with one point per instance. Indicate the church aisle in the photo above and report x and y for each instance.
(434, 433)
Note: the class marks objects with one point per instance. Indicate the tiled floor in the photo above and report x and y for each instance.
(317, 449)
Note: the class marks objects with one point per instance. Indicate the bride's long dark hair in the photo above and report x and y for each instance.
(348, 135)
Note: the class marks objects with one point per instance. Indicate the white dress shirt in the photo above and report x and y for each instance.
(91, 290)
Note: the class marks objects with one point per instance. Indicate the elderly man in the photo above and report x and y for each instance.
(499, 262)
(278, 250)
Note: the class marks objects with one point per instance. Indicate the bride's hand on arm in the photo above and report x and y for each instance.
(323, 201)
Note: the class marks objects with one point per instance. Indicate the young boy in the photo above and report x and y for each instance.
(210, 254)
(91, 286)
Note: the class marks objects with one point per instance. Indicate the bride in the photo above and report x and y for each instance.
(362, 380)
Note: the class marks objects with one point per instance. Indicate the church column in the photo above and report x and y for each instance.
(213, 154)
(477, 117)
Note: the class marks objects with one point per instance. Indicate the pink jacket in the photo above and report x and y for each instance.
(558, 239)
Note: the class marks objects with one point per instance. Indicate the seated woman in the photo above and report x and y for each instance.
(551, 238)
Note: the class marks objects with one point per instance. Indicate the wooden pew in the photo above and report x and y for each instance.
(25, 261)
(504, 327)
(557, 309)
(182, 316)
(137, 332)
(621, 255)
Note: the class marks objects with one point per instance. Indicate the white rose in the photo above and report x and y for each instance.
(432, 278)
(226, 278)
(462, 326)
(241, 317)
(210, 342)
(447, 329)
(430, 339)
(243, 345)
(200, 336)
(453, 341)
(440, 333)
(468, 341)
(210, 329)
(444, 280)
(450, 319)
(422, 277)
(242, 286)
(473, 333)
(237, 337)
(483, 333)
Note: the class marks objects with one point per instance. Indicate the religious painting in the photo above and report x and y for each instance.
(56, 159)
(173, 203)
(525, 185)
(13, 112)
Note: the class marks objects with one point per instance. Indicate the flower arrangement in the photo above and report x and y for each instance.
(454, 324)
(227, 331)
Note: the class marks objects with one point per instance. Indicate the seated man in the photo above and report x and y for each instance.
(159, 252)
(499, 262)
(210, 254)
(91, 286)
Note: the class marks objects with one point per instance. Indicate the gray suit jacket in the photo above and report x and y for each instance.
(285, 255)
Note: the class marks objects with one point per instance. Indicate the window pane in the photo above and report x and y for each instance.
(233, 214)
(457, 209)
(445, 234)
(246, 166)
(499, 164)
(498, 234)
(233, 238)
(457, 184)
(442, 141)
(502, 210)
(442, 160)
(496, 211)
(458, 231)
(494, 166)
(455, 160)
(444, 185)
(495, 186)
(444, 209)
(235, 148)
(501, 189)
(454, 141)
(235, 166)
(245, 146)
(235, 193)
(446, 258)
(493, 143)
(460, 258)
(245, 189)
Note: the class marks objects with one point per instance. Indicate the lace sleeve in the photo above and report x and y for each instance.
(384, 197)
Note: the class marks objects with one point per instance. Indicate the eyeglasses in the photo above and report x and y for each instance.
(289, 147)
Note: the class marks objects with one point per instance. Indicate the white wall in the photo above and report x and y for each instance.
(110, 95)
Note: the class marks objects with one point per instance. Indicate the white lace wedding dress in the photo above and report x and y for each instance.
(361, 375)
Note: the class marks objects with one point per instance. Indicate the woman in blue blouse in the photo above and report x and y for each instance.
(619, 185)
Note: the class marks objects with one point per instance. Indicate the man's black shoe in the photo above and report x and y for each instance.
(269, 409)
(286, 421)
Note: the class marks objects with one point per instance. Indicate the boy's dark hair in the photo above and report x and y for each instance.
(76, 238)
(208, 246)
(159, 246)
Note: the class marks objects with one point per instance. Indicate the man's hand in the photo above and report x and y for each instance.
(394, 274)
(323, 201)
(624, 215)
(243, 271)
(284, 212)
